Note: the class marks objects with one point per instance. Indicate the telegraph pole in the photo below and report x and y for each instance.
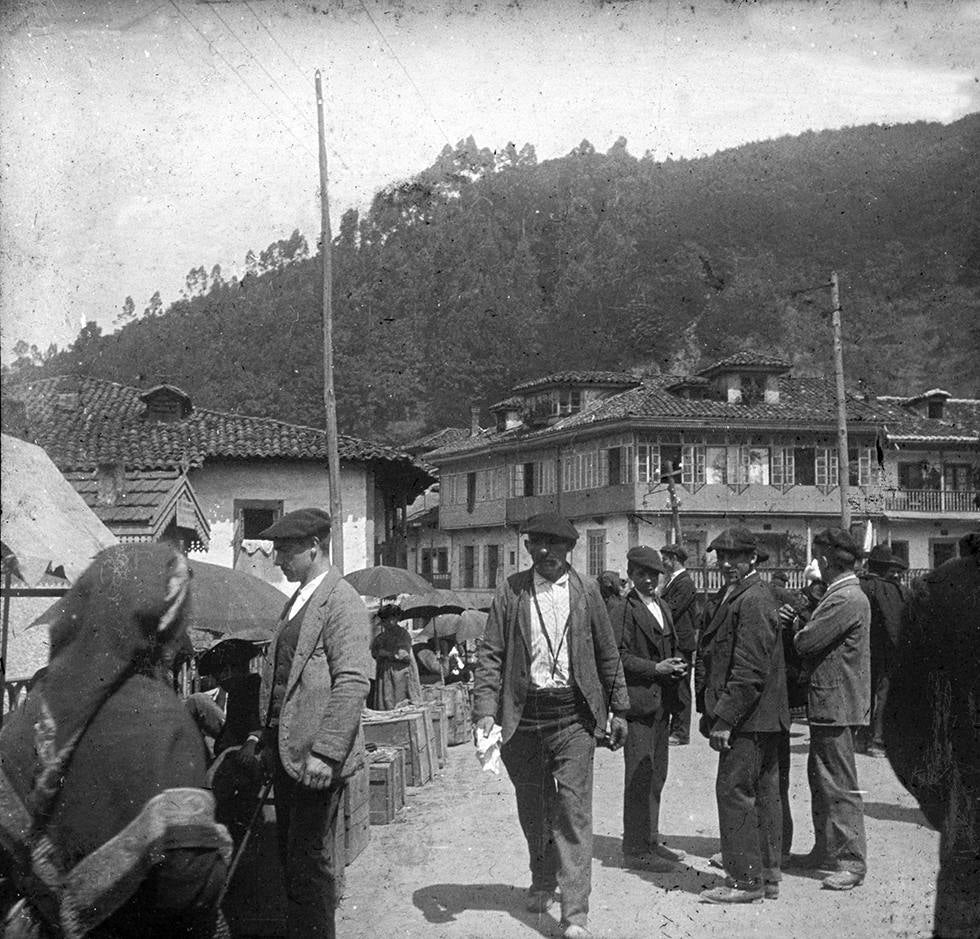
(329, 399)
(843, 463)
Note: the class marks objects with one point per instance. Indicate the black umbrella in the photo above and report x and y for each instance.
(433, 603)
(384, 581)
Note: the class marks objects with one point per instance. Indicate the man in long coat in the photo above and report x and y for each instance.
(680, 594)
(654, 669)
(932, 732)
(834, 645)
(548, 672)
(741, 694)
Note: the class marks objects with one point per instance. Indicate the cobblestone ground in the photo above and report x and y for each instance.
(454, 864)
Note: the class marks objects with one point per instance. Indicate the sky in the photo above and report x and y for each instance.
(142, 138)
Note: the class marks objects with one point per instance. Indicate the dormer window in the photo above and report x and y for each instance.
(936, 409)
(569, 401)
(166, 404)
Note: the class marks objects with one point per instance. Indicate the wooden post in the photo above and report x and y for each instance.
(843, 465)
(7, 580)
(675, 516)
(329, 399)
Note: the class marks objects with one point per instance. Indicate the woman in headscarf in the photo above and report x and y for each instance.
(105, 825)
(398, 675)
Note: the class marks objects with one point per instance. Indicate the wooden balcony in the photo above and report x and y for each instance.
(933, 501)
(439, 581)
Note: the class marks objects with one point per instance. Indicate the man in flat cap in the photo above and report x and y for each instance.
(654, 669)
(882, 585)
(741, 694)
(314, 684)
(680, 594)
(835, 647)
(548, 672)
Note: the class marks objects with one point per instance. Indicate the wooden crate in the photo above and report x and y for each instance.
(387, 773)
(356, 809)
(410, 730)
(440, 730)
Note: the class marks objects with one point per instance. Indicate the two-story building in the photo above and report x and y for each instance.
(746, 443)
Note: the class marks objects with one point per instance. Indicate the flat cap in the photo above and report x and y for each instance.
(642, 556)
(552, 525)
(675, 550)
(303, 523)
(882, 556)
(735, 539)
(839, 540)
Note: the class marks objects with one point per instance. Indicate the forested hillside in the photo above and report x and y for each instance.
(490, 268)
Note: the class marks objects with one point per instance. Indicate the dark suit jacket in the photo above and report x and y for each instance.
(741, 674)
(328, 680)
(888, 600)
(641, 646)
(836, 653)
(503, 670)
(680, 595)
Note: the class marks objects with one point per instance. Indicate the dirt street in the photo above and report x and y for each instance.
(454, 863)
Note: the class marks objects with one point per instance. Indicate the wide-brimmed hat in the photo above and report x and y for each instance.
(881, 556)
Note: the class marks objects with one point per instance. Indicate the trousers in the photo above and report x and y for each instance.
(749, 808)
(680, 723)
(550, 761)
(306, 822)
(838, 811)
(646, 752)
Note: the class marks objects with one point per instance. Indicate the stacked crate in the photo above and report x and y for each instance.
(440, 730)
(410, 729)
(387, 782)
(456, 698)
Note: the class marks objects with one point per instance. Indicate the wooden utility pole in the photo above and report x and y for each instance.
(843, 463)
(329, 399)
(675, 515)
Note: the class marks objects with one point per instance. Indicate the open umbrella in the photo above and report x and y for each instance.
(223, 602)
(384, 581)
(472, 625)
(445, 624)
(431, 603)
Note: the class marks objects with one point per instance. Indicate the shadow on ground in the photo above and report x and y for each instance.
(442, 903)
(895, 813)
(608, 852)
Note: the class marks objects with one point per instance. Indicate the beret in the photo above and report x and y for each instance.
(303, 523)
(839, 539)
(761, 554)
(781, 576)
(881, 554)
(734, 539)
(548, 523)
(642, 556)
(675, 550)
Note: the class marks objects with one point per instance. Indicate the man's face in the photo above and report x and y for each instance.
(294, 557)
(735, 565)
(644, 579)
(549, 555)
(670, 563)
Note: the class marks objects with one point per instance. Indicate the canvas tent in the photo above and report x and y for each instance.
(49, 536)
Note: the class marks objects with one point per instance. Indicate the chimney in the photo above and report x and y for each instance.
(474, 419)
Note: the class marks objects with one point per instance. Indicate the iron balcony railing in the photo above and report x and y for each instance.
(932, 500)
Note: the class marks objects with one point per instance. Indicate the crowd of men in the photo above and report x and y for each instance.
(102, 771)
(567, 664)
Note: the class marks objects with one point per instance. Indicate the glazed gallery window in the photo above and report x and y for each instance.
(596, 541)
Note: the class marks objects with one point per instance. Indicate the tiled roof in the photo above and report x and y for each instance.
(438, 438)
(579, 378)
(803, 403)
(746, 360)
(106, 425)
(508, 404)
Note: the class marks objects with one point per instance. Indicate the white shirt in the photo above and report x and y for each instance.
(654, 607)
(554, 604)
(303, 594)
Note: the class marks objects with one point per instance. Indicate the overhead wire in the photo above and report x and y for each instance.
(411, 81)
(250, 89)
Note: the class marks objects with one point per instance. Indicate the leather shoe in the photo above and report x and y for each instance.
(716, 860)
(675, 741)
(668, 854)
(808, 862)
(732, 895)
(649, 862)
(771, 890)
(575, 931)
(538, 901)
(842, 880)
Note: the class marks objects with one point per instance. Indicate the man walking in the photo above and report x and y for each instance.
(741, 691)
(888, 598)
(680, 594)
(548, 672)
(836, 654)
(654, 670)
(314, 684)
